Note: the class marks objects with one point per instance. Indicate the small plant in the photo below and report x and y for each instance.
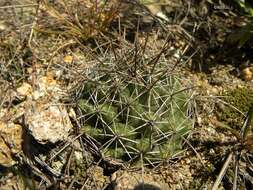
(81, 19)
(246, 6)
(136, 111)
(243, 35)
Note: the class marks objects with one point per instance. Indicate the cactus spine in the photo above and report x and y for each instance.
(141, 117)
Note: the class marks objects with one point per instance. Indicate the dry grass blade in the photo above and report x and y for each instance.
(18, 6)
(222, 172)
(248, 125)
(65, 146)
(236, 168)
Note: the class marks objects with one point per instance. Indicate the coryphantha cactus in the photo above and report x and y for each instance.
(136, 113)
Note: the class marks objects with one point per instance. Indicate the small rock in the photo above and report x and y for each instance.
(246, 74)
(48, 123)
(162, 16)
(47, 86)
(47, 120)
(68, 59)
(25, 89)
(72, 113)
(98, 179)
(10, 142)
(3, 26)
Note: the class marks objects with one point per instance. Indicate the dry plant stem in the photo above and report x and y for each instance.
(233, 107)
(223, 126)
(57, 50)
(18, 6)
(69, 162)
(237, 158)
(37, 172)
(222, 172)
(46, 167)
(71, 184)
(247, 125)
(237, 154)
(186, 15)
(32, 28)
(189, 58)
(84, 185)
(195, 151)
(217, 100)
(65, 146)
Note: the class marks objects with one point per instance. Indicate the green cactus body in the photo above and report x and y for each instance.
(134, 121)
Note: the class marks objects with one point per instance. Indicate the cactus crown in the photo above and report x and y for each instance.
(136, 111)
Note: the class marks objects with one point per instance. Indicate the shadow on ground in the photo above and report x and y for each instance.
(140, 186)
(143, 186)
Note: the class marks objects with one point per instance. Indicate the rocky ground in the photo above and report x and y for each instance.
(50, 49)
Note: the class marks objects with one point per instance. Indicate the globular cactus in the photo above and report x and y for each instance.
(136, 118)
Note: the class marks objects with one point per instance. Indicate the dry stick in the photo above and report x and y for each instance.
(89, 51)
(158, 56)
(69, 163)
(247, 125)
(230, 105)
(136, 47)
(46, 167)
(33, 26)
(84, 185)
(224, 126)
(71, 184)
(185, 17)
(237, 158)
(217, 99)
(194, 150)
(223, 171)
(57, 50)
(65, 146)
(18, 6)
(37, 172)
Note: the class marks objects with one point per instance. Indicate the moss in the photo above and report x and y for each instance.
(240, 98)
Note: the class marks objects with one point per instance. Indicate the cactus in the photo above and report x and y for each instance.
(140, 118)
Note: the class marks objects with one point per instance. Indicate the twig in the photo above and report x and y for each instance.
(32, 28)
(194, 150)
(18, 6)
(222, 172)
(67, 144)
(237, 158)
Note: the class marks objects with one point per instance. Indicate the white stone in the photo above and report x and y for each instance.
(48, 123)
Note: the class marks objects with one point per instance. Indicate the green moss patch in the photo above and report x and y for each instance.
(239, 100)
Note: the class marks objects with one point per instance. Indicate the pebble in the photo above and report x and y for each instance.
(246, 74)
(3, 26)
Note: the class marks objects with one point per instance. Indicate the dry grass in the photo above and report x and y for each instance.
(82, 19)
